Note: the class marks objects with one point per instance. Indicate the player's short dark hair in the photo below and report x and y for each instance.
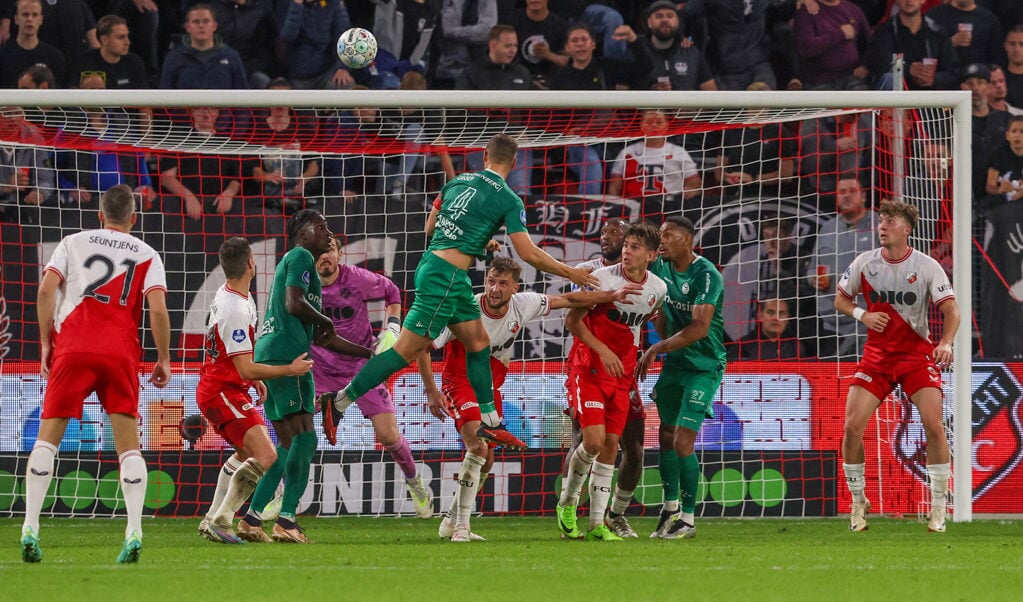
(497, 30)
(501, 149)
(118, 204)
(234, 256)
(506, 265)
(682, 222)
(106, 24)
(899, 209)
(40, 74)
(298, 220)
(646, 233)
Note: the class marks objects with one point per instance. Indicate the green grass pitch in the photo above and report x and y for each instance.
(402, 559)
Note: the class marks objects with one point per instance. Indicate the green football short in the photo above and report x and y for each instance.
(443, 296)
(289, 395)
(685, 398)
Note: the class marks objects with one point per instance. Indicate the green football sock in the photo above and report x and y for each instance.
(296, 471)
(669, 474)
(267, 486)
(477, 365)
(689, 477)
(378, 369)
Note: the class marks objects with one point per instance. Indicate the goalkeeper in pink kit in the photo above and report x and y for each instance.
(346, 290)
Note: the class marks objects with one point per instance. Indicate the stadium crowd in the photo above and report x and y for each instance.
(974, 45)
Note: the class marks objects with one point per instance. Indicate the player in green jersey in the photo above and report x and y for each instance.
(292, 322)
(692, 333)
(473, 207)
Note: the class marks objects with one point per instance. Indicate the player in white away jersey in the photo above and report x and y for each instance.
(601, 376)
(899, 283)
(504, 311)
(90, 308)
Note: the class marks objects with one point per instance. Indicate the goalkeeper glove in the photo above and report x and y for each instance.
(388, 336)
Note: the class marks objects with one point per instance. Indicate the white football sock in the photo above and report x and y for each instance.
(468, 482)
(134, 479)
(243, 483)
(939, 474)
(342, 400)
(688, 517)
(600, 491)
(578, 468)
(38, 476)
(223, 482)
(621, 500)
(670, 506)
(854, 480)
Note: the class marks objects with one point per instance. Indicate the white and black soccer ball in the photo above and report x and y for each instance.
(357, 48)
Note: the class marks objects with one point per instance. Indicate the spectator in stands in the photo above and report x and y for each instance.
(308, 31)
(831, 44)
(829, 146)
(542, 35)
(1009, 12)
(758, 159)
(931, 62)
(27, 50)
(497, 69)
(37, 77)
(977, 35)
(69, 26)
(121, 68)
(989, 125)
(603, 19)
(996, 92)
(772, 338)
(284, 179)
(203, 61)
(840, 239)
(1014, 66)
(655, 169)
(248, 26)
(678, 64)
(28, 182)
(1004, 177)
(405, 28)
(739, 48)
(143, 20)
(465, 27)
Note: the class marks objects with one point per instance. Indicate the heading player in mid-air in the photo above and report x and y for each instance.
(601, 376)
(898, 283)
(506, 311)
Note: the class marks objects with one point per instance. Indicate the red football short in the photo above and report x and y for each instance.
(231, 414)
(913, 374)
(74, 376)
(462, 404)
(636, 409)
(593, 402)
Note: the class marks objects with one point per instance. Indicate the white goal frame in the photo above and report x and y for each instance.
(957, 101)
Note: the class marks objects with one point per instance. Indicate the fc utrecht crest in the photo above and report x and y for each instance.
(911, 277)
(514, 326)
(651, 299)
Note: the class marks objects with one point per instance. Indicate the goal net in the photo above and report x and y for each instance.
(782, 188)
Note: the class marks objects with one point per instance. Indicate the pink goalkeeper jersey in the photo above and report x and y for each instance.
(902, 289)
(231, 331)
(105, 276)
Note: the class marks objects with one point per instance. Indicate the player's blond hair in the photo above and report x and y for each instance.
(899, 209)
(501, 149)
(118, 204)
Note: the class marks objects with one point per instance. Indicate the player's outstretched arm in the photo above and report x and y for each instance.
(337, 344)
(159, 323)
(943, 350)
(46, 303)
(541, 260)
(250, 370)
(591, 298)
(575, 324)
(694, 331)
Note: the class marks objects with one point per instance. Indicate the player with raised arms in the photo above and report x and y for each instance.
(293, 321)
(473, 207)
(692, 337)
(601, 376)
(505, 312)
(90, 300)
(225, 378)
(899, 284)
(346, 290)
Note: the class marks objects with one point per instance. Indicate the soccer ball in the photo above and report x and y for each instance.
(357, 48)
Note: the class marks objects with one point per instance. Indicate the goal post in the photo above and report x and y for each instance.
(566, 200)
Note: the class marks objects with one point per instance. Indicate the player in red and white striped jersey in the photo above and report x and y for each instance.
(90, 307)
(505, 312)
(899, 284)
(601, 377)
(227, 374)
